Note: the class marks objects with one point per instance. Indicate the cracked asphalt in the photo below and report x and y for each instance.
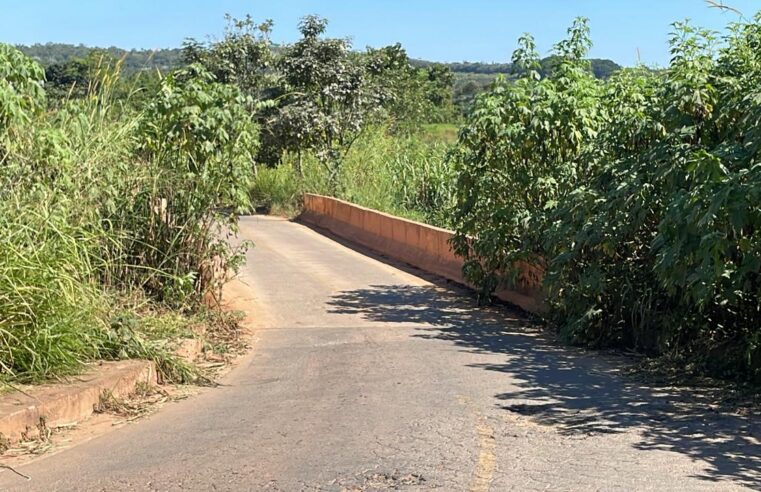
(365, 376)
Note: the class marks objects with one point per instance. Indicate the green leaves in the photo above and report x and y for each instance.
(202, 129)
(521, 153)
(197, 141)
(243, 57)
(642, 193)
(21, 92)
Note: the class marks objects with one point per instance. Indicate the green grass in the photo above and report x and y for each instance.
(444, 133)
(408, 176)
(277, 191)
(92, 265)
(50, 311)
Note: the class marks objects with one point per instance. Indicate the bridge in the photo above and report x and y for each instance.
(367, 374)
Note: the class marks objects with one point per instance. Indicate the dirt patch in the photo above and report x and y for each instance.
(368, 480)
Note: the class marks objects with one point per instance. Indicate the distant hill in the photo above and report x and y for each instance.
(167, 58)
(134, 60)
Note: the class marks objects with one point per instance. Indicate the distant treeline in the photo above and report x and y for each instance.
(134, 60)
(168, 58)
(470, 78)
(602, 68)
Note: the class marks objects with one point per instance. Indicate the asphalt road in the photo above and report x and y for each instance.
(367, 377)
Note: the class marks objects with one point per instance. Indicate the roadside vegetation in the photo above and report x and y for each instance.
(400, 175)
(635, 190)
(109, 216)
(118, 192)
(638, 196)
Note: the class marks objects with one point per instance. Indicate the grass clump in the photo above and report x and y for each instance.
(50, 311)
(277, 190)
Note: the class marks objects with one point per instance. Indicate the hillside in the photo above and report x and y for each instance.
(134, 60)
(166, 58)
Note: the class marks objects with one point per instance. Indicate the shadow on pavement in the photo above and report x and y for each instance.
(574, 391)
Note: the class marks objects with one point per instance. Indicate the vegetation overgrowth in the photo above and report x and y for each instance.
(117, 190)
(110, 216)
(638, 196)
(635, 190)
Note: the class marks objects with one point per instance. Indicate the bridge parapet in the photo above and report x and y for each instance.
(420, 245)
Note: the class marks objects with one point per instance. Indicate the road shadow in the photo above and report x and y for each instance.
(576, 392)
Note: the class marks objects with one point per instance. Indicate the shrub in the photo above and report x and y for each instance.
(198, 140)
(21, 92)
(519, 153)
(650, 225)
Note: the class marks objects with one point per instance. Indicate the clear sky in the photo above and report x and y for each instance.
(440, 30)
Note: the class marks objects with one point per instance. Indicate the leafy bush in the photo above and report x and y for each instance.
(646, 205)
(21, 92)
(519, 153)
(199, 139)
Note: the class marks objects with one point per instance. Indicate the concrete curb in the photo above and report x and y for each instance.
(25, 416)
(190, 348)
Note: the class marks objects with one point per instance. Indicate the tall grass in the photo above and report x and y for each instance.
(50, 310)
(409, 176)
(277, 190)
(92, 218)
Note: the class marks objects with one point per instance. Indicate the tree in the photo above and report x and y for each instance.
(327, 98)
(465, 94)
(243, 57)
(410, 95)
(439, 92)
(67, 79)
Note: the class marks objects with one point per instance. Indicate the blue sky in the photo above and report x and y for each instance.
(441, 30)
